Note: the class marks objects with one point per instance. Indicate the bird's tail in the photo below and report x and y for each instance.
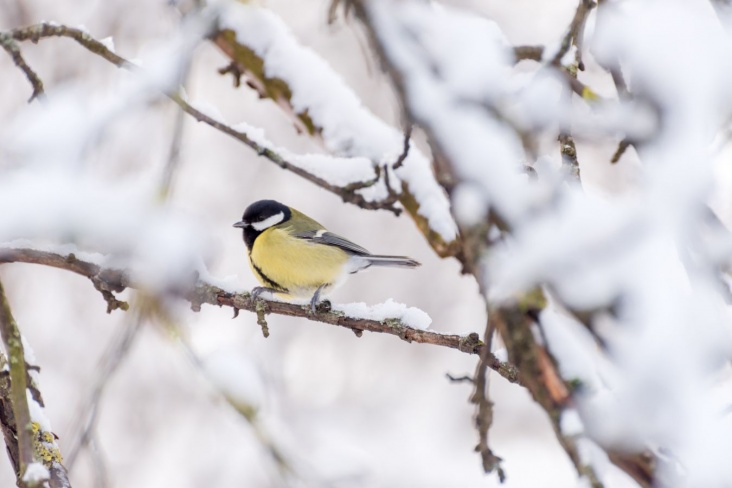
(395, 261)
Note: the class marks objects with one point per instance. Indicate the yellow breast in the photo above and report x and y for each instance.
(298, 266)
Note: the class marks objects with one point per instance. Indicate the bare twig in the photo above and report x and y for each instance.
(622, 147)
(459, 379)
(405, 150)
(82, 434)
(174, 154)
(11, 47)
(484, 408)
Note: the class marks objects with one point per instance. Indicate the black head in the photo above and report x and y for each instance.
(260, 216)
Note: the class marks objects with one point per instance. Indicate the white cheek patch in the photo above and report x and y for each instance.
(268, 222)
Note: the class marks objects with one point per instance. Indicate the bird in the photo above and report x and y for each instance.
(293, 255)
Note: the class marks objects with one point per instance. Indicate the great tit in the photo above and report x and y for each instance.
(294, 255)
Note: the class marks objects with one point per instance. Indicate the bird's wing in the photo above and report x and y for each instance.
(330, 239)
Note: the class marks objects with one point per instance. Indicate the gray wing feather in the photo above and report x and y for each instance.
(330, 239)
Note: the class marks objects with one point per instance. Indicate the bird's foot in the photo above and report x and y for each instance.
(258, 290)
(316, 298)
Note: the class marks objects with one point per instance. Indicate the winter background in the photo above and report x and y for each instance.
(345, 411)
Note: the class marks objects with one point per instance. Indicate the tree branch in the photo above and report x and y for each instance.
(16, 359)
(205, 293)
(11, 47)
(514, 322)
(26, 441)
(574, 34)
(40, 31)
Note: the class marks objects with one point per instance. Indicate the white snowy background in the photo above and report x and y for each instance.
(371, 411)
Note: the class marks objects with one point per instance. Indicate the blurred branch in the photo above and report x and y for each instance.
(206, 293)
(568, 149)
(173, 161)
(534, 53)
(83, 433)
(18, 401)
(248, 411)
(574, 34)
(11, 47)
(623, 145)
(25, 440)
(515, 322)
(44, 30)
(36, 32)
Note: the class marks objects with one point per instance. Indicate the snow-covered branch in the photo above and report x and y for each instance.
(320, 165)
(263, 49)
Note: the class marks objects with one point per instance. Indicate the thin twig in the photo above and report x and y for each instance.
(11, 47)
(622, 147)
(405, 150)
(174, 153)
(83, 432)
(483, 418)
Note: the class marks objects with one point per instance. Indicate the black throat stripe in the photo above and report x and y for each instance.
(268, 280)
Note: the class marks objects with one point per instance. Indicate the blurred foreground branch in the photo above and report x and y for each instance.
(516, 322)
(32, 451)
(44, 30)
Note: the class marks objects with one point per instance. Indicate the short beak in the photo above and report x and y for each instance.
(241, 224)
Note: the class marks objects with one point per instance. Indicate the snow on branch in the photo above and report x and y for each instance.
(320, 166)
(640, 261)
(280, 68)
